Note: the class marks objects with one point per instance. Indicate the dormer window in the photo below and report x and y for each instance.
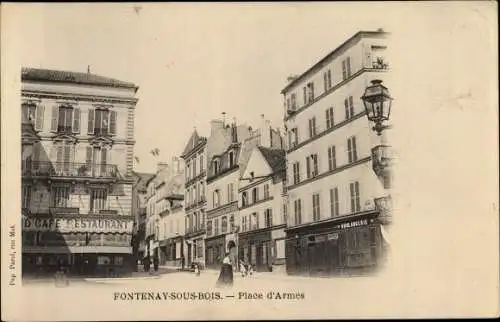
(216, 165)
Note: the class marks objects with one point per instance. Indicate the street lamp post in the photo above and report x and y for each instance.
(377, 102)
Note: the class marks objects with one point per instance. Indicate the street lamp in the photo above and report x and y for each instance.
(377, 101)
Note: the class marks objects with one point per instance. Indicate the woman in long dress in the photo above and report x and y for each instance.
(226, 272)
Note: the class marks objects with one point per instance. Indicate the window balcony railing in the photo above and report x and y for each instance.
(195, 229)
(69, 169)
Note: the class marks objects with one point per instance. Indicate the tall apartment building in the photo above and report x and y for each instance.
(195, 158)
(78, 143)
(333, 224)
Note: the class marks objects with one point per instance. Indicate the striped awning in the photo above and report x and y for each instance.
(77, 249)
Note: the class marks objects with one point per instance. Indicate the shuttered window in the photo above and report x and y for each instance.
(59, 196)
(98, 198)
(40, 111)
(355, 199)
(112, 122)
(332, 158)
(91, 118)
(316, 207)
(54, 119)
(76, 120)
(334, 202)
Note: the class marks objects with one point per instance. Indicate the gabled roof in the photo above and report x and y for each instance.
(50, 75)
(194, 140)
(275, 158)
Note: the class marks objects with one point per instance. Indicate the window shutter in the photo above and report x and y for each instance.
(36, 152)
(76, 120)
(308, 166)
(104, 155)
(91, 121)
(40, 109)
(112, 122)
(55, 118)
(354, 152)
(349, 149)
(348, 63)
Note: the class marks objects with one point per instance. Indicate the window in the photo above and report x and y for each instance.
(268, 217)
(254, 221)
(255, 194)
(102, 122)
(26, 195)
(244, 223)
(188, 168)
(230, 192)
(103, 260)
(98, 199)
(266, 191)
(304, 89)
(201, 163)
(194, 167)
(231, 223)
(316, 207)
(296, 173)
(327, 80)
(244, 199)
(198, 250)
(310, 88)
(355, 203)
(293, 101)
(216, 166)
(216, 197)
(329, 118)
(32, 113)
(231, 159)
(349, 107)
(346, 68)
(209, 227)
(332, 158)
(60, 196)
(298, 211)
(224, 224)
(293, 137)
(216, 226)
(351, 149)
(312, 166)
(312, 127)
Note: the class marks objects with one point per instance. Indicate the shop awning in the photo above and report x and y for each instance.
(77, 249)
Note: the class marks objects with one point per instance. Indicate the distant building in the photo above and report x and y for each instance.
(165, 213)
(333, 224)
(77, 148)
(139, 194)
(195, 158)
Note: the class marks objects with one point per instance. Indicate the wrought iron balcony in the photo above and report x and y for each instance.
(195, 229)
(69, 169)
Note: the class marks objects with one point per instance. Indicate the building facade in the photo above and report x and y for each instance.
(262, 220)
(333, 223)
(164, 205)
(195, 158)
(77, 172)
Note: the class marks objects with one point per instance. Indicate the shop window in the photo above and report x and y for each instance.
(118, 260)
(103, 260)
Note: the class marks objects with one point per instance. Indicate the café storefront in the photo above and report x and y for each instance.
(338, 246)
(255, 249)
(98, 245)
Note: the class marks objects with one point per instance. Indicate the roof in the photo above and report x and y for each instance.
(51, 75)
(274, 157)
(143, 178)
(194, 140)
(334, 52)
(175, 197)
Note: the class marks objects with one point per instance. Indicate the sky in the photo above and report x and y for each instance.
(191, 61)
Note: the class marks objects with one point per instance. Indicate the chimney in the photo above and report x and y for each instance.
(265, 132)
(161, 166)
(291, 78)
(234, 133)
(216, 125)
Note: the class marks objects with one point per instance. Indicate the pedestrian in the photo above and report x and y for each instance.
(226, 272)
(155, 263)
(196, 269)
(243, 269)
(146, 264)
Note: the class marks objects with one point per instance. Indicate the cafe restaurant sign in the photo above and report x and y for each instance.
(351, 224)
(83, 225)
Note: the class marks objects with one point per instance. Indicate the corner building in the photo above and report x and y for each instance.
(333, 225)
(78, 143)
